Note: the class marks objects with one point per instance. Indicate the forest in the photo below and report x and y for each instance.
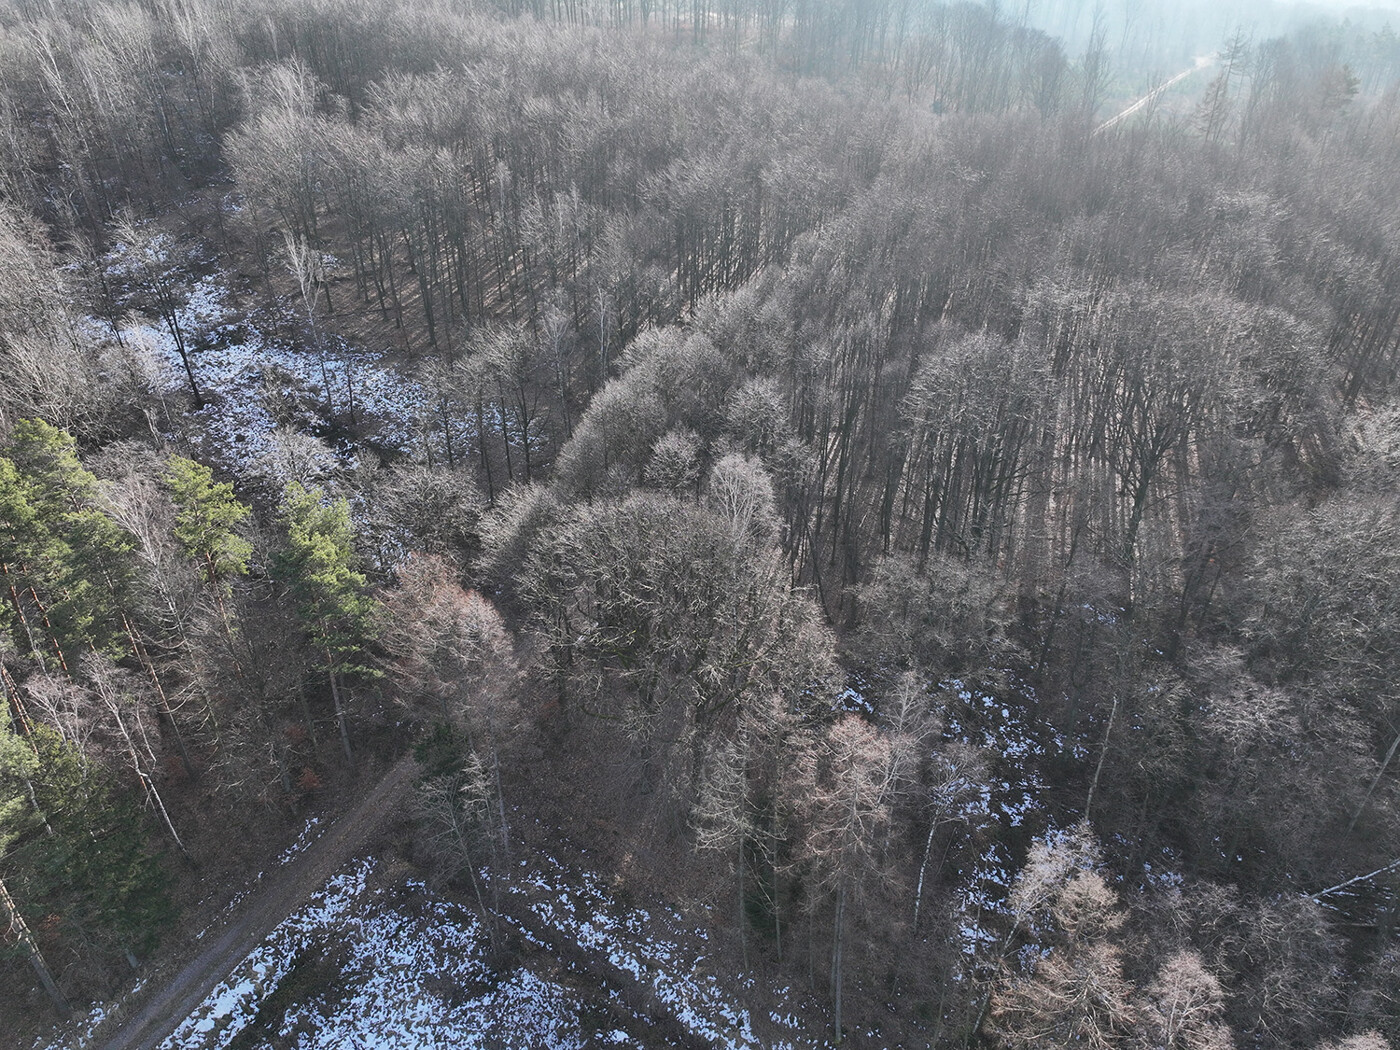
(799, 452)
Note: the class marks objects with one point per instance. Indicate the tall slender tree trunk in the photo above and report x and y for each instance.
(1103, 754)
(500, 794)
(487, 914)
(164, 813)
(1389, 755)
(777, 885)
(152, 792)
(923, 870)
(481, 445)
(19, 609)
(838, 947)
(48, 626)
(167, 715)
(742, 918)
(172, 323)
(17, 928)
(339, 710)
(18, 715)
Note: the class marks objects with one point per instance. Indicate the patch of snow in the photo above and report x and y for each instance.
(394, 969)
(232, 1006)
(81, 1029)
(309, 834)
(655, 952)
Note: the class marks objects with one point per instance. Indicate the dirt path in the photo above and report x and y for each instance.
(1202, 61)
(259, 914)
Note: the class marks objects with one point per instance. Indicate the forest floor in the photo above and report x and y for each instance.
(342, 943)
(173, 997)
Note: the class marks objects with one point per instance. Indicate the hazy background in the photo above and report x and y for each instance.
(1168, 34)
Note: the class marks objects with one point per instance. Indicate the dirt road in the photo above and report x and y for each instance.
(259, 914)
(1202, 62)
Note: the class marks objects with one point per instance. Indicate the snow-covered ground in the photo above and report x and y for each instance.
(393, 967)
(269, 388)
(1009, 800)
(250, 376)
(654, 948)
(372, 961)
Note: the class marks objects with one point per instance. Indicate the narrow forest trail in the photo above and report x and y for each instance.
(259, 914)
(1202, 62)
(645, 961)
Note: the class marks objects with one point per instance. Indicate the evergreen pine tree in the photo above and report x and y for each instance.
(330, 593)
(207, 519)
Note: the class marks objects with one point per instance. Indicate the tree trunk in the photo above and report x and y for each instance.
(1103, 754)
(487, 914)
(777, 886)
(1375, 781)
(743, 933)
(164, 814)
(339, 711)
(152, 792)
(172, 323)
(923, 868)
(167, 715)
(500, 804)
(19, 929)
(837, 952)
(19, 610)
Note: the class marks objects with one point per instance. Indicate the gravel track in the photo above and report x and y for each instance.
(258, 914)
